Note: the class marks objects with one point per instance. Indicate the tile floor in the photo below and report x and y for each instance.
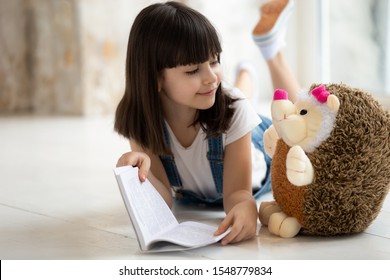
(59, 200)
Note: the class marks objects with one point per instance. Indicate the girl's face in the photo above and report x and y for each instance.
(193, 86)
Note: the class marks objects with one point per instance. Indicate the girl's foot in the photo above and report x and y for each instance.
(269, 32)
(274, 14)
(247, 80)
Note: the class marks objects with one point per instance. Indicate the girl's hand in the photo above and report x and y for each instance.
(139, 159)
(242, 218)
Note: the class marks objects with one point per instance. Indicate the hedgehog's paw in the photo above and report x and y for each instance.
(270, 139)
(300, 171)
(289, 228)
(267, 208)
(275, 221)
(282, 225)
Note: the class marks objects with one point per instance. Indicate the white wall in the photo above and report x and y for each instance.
(352, 49)
(355, 49)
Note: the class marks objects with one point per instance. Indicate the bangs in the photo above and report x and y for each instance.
(188, 38)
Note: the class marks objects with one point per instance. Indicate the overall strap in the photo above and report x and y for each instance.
(169, 164)
(215, 156)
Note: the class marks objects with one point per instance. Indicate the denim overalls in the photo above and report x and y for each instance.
(215, 157)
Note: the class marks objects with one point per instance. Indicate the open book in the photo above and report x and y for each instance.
(155, 225)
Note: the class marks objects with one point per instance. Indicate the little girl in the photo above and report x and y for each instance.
(188, 134)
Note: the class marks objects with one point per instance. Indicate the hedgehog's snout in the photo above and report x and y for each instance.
(281, 107)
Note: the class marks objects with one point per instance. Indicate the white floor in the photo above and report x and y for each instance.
(59, 200)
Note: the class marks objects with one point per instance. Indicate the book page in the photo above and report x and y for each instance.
(151, 213)
(153, 220)
(192, 234)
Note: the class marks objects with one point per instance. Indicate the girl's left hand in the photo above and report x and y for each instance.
(242, 219)
(139, 159)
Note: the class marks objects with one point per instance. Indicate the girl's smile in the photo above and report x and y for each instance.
(208, 93)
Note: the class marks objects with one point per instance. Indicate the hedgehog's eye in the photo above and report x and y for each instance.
(303, 112)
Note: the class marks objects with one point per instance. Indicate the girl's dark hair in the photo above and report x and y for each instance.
(166, 35)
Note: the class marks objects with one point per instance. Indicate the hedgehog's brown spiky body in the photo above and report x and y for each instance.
(352, 170)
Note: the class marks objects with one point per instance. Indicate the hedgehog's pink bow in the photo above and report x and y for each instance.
(320, 93)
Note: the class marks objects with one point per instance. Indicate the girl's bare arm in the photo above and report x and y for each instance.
(239, 203)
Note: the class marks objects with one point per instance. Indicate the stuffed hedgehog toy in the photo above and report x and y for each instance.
(330, 162)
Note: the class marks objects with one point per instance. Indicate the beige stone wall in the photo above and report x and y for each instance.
(55, 55)
(104, 32)
(62, 56)
(40, 68)
(15, 94)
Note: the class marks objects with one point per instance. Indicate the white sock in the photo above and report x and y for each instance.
(269, 48)
(251, 69)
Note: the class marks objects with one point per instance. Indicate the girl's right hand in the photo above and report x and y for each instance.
(139, 159)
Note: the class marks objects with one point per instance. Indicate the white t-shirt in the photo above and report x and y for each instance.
(192, 163)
